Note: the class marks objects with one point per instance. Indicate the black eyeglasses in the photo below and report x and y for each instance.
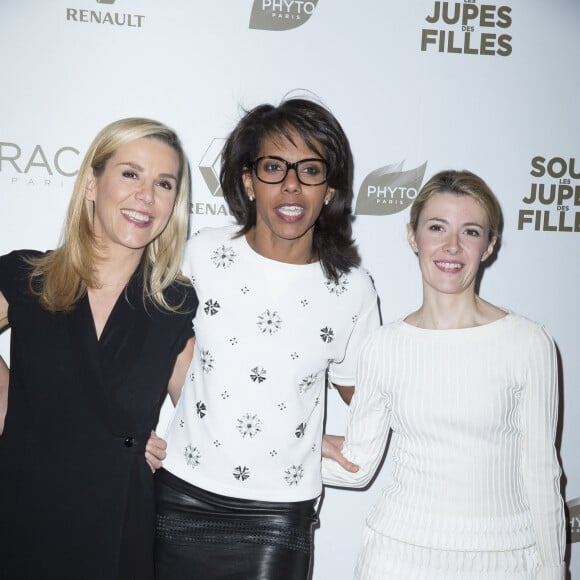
(275, 169)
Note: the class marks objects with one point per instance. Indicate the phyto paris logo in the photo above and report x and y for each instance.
(389, 189)
(468, 28)
(106, 17)
(574, 521)
(554, 199)
(37, 165)
(281, 14)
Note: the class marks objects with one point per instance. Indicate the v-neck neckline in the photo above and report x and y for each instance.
(127, 294)
(122, 296)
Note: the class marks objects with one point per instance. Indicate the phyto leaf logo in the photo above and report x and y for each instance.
(209, 166)
(574, 513)
(389, 189)
(281, 14)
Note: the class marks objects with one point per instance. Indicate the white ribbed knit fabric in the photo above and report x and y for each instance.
(384, 558)
(473, 413)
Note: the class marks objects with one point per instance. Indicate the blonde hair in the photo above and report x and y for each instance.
(460, 183)
(61, 278)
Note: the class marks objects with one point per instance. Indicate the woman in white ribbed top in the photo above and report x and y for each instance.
(469, 391)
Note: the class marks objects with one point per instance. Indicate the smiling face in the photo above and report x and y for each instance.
(451, 241)
(286, 212)
(134, 194)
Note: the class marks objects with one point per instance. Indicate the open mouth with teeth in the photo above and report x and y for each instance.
(136, 216)
(449, 265)
(290, 211)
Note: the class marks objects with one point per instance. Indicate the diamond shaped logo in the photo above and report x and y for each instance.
(209, 166)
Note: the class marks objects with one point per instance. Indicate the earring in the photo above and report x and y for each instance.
(250, 197)
(326, 201)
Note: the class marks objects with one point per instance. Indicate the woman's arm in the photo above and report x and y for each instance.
(345, 393)
(368, 424)
(180, 370)
(342, 374)
(3, 312)
(4, 371)
(541, 469)
(332, 449)
(155, 451)
(4, 378)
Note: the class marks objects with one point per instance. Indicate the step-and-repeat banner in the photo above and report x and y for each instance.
(491, 86)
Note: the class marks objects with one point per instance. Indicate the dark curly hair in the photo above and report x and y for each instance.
(320, 130)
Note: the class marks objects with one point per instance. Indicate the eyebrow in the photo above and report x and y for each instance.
(466, 224)
(139, 168)
(299, 161)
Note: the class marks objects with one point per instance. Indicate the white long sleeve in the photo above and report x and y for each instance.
(540, 468)
(473, 413)
(370, 421)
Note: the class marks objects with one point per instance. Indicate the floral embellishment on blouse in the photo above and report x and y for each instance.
(258, 375)
(207, 360)
(211, 307)
(307, 383)
(192, 456)
(269, 322)
(294, 474)
(200, 409)
(241, 473)
(300, 430)
(327, 334)
(249, 425)
(339, 287)
(223, 257)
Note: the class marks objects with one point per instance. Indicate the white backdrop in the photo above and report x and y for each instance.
(488, 87)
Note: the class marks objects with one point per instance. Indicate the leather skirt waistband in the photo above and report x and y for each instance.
(187, 514)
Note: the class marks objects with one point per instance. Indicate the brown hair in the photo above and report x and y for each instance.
(460, 183)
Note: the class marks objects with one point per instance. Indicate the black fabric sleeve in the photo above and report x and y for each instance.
(14, 273)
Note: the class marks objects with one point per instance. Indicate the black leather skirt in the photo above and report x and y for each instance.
(205, 536)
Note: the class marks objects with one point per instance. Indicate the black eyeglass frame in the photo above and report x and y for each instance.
(289, 166)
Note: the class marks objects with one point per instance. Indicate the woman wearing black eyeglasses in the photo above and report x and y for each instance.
(283, 302)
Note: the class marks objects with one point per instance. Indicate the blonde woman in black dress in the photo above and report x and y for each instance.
(99, 328)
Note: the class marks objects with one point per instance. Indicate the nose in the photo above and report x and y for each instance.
(291, 183)
(146, 193)
(452, 245)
